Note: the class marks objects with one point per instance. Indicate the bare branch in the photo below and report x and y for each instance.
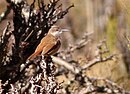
(65, 64)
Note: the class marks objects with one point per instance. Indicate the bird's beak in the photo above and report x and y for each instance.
(65, 30)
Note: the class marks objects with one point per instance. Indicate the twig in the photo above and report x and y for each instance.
(97, 60)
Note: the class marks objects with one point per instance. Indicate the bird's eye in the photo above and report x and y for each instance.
(57, 29)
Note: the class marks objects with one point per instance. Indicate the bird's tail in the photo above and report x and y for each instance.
(33, 55)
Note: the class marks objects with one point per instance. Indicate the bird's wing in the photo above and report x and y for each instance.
(47, 39)
(51, 48)
(46, 46)
(40, 47)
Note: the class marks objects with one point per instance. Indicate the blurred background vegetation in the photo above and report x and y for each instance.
(108, 19)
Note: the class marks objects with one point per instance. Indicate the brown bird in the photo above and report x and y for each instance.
(50, 44)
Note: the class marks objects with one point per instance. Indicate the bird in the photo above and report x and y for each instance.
(49, 44)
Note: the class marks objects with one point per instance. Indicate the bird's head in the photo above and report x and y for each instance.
(56, 30)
